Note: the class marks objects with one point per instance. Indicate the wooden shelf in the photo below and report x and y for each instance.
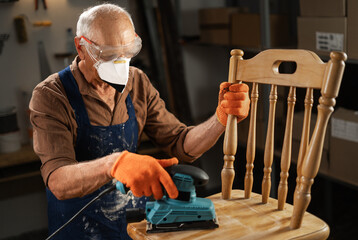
(20, 176)
(25, 155)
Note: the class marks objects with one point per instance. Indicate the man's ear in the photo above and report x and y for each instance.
(79, 48)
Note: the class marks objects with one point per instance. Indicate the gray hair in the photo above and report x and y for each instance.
(90, 14)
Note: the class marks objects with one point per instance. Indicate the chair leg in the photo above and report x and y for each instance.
(302, 200)
(230, 147)
(227, 176)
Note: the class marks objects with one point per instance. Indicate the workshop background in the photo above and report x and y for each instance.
(186, 51)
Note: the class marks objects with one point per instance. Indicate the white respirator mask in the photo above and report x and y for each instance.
(115, 72)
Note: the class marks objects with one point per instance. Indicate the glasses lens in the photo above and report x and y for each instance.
(135, 49)
(110, 53)
(92, 50)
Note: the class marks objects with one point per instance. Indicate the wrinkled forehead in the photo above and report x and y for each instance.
(113, 30)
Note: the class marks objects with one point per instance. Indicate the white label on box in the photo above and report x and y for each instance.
(345, 130)
(329, 41)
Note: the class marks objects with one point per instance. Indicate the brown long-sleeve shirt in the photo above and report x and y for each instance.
(54, 122)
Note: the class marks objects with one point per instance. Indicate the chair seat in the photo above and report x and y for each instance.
(238, 220)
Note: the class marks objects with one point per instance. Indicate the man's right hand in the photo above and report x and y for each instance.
(145, 175)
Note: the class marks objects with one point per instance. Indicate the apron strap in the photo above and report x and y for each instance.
(74, 96)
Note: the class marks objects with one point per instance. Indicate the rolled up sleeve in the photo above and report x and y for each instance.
(52, 129)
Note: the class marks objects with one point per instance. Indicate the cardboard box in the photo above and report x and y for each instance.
(216, 16)
(246, 30)
(296, 140)
(215, 36)
(215, 25)
(344, 146)
(323, 8)
(322, 34)
(352, 29)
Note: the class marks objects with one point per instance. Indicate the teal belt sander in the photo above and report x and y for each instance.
(186, 212)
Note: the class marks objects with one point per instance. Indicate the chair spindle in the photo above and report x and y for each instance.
(251, 142)
(269, 146)
(286, 149)
(305, 135)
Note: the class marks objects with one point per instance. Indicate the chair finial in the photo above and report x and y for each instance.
(338, 56)
(238, 52)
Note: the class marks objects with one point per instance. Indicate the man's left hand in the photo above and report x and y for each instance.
(233, 99)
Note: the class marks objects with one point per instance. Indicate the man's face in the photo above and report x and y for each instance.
(110, 33)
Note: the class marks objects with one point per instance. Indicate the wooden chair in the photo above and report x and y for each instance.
(246, 215)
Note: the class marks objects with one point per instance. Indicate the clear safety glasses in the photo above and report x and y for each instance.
(110, 53)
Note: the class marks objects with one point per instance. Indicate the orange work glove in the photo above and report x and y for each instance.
(144, 175)
(233, 99)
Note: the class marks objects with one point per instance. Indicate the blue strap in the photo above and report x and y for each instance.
(74, 96)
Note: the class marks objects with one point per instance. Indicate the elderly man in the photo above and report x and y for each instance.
(87, 119)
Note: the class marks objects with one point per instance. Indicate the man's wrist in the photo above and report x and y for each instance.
(221, 117)
(110, 162)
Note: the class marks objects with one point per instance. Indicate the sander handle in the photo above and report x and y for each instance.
(199, 176)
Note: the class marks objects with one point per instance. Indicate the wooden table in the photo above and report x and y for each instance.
(237, 221)
(25, 155)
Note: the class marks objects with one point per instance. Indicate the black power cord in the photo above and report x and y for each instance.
(110, 189)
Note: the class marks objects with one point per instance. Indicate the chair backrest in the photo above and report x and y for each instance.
(310, 73)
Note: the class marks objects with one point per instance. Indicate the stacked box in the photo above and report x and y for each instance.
(246, 30)
(323, 8)
(322, 35)
(322, 26)
(344, 145)
(352, 29)
(234, 26)
(215, 25)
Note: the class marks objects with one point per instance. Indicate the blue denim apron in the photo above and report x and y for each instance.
(105, 218)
